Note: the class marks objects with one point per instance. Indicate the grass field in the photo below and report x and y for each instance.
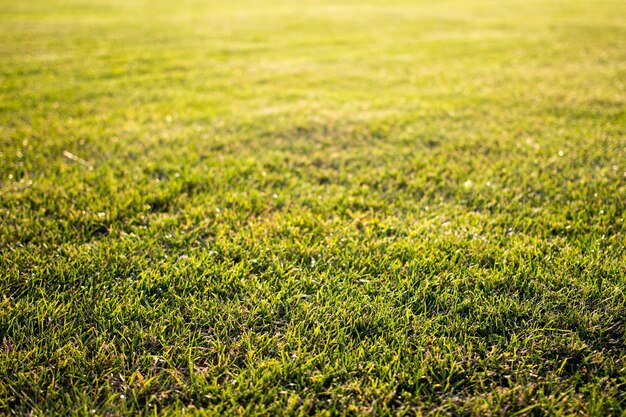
(312, 207)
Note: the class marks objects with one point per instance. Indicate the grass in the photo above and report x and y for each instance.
(319, 207)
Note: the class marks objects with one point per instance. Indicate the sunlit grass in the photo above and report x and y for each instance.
(382, 207)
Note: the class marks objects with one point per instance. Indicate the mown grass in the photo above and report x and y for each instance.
(383, 207)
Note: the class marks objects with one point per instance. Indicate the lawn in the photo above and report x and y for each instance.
(381, 207)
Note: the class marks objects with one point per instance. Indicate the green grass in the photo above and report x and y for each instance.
(317, 207)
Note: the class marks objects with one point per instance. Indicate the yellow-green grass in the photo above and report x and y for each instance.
(312, 207)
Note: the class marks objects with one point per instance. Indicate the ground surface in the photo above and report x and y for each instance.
(382, 207)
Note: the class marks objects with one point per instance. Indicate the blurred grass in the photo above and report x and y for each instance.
(312, 207)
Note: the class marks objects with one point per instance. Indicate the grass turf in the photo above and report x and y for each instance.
(317, 207)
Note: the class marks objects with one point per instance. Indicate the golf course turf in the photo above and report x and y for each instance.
(273, 207)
